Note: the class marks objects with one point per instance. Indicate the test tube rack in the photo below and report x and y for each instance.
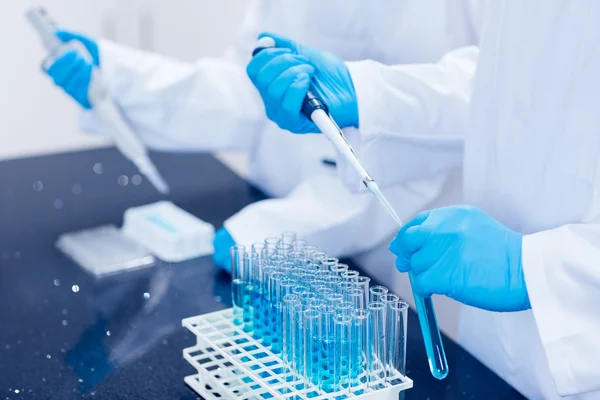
(231, 364)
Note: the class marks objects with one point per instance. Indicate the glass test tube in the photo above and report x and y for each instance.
(342, 325)
(376, 292)
(237, 282)
(376, 351)
(343, 288)
(328, 262)
(299, 245)
(345, 308)
(259, 249)
(332, 282)
(288, 237)
(298, 358)
(339, 269)
(274, 325)
(309, 251)
(356, 297)
(268, 271)
(359, 336)
(398, 318)
(327, 351)
(318, 257)
(272, 242)
(386, 299)
(311, 346)
(257, 298)
(250, 263)
(363, 282)
(289, 328)
(276, 260)
(283, 249)
(334, 299)
(349, 275)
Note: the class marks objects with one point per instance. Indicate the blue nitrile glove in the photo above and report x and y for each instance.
(222, 244)
(283, 75)
(464, 254)
(72, 72)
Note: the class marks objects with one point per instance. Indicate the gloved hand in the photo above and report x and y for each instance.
(72, 71)
(464, 254)
(222, 244)
(283, 75)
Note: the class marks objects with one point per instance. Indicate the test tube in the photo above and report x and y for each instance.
(345, 308)
(259, 249)
(271, 243)
(288, 237)
(332, 282)
(322, 292)
(328, 262)
(342, 330)
(298, 358)
(339, 268)
(287, 268)
(283, 249)
(311, 347)
(318, 257)
(327, 351)
(356, 297)
(348, 276)
(298, 258)
(289, 328)
(237, 282)
(250, 263)
(343, 288)
(376, 292)
(257, 298)
(274, 324)
(334, 299)
(363, 282)
(276, 259)
(299, 245)
(376, 351)
(266, 305)
(359, 336)
(283, 288)
(309, 251)
(386, 299)
(398, 317)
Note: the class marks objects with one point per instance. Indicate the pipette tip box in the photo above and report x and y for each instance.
(231, 364)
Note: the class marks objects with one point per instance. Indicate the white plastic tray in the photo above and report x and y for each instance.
(233, 365)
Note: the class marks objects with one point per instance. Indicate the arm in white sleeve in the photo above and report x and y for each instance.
(412, 118)
(562, 273)
(323, 212)
(178, 106)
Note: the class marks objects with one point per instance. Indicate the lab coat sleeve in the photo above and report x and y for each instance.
(322, 211)
(562, 273)
(412, 118)
(177, 106)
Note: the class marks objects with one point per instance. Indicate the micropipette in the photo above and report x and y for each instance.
(125, 140)
(316, 110)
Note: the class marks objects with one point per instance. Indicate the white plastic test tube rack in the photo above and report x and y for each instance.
(233, 365)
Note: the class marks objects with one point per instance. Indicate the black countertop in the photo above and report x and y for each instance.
(66, 335)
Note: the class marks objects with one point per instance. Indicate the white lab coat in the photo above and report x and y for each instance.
(532, 160)
(211, 106)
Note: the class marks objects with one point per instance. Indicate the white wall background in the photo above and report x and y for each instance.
(37, 118)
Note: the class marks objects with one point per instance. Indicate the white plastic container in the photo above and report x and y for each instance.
(230, 364)
(170, 233)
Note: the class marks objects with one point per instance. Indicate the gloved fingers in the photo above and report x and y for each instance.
(79, 84)
(280, 41)
(66, 36)
(277, 66)
(258, 62)
(429, 283)
(417, 220)
(424, 259)
(283, 83)
(294, 97)
(63, 68)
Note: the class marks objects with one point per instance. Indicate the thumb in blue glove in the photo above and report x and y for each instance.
(284, 74)
(222, 244)
(464, 254)
(72, 71)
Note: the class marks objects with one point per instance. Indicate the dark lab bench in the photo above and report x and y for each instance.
(66, 335)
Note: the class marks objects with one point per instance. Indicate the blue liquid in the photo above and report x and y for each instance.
(432, 337)
(327, 359)
(237, 297)
(247, 312)
(356, 354)
(257, 320)
(275, 322)
(266, 322)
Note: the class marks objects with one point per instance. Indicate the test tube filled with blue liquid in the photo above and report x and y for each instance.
(250, 263)
(237, 282)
